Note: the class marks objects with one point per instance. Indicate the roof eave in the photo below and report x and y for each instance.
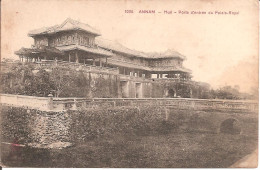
(77, 48)
(51, 33)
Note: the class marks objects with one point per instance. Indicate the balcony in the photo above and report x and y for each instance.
(134, 78)
(76, 66)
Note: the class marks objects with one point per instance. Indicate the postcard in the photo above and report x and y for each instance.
(129, 84)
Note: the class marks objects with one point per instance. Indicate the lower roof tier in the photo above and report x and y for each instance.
(97, 51)
(161, 69)
(46, 50)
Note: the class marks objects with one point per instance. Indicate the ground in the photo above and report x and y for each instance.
(175, 149)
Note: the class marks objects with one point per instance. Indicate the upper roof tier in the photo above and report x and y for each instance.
(67, 25)
(70, 24)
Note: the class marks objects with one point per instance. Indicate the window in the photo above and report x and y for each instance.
(69, 39)
(87, 41)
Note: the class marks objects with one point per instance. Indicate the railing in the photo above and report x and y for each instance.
(77, 66)
(128, 77)
(57, 104)
(180, 103)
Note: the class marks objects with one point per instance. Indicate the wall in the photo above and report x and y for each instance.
(41, 103)
(72, 37)
(40, 40)
(66, 80)
(31, 126)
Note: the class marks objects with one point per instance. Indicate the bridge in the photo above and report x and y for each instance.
(60, 104)
(202, 115)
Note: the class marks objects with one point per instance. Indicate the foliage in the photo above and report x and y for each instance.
(25, 79)
(96, 123)
(227, 92)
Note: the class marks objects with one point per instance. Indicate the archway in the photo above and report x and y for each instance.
(230, 126)
(171, 93)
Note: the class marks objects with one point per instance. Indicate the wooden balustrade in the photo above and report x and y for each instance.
(78, 66)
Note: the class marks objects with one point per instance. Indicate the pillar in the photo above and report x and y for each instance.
(94, 62)
(100, 62)
(50, 103)
(77, 57)
(69, 56)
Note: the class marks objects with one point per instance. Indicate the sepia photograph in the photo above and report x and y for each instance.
(129, 84)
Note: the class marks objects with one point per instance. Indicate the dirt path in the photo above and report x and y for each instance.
(249, 161)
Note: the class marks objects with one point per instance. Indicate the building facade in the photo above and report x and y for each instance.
(139, 74)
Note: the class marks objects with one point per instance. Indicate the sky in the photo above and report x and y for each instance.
(220, 49)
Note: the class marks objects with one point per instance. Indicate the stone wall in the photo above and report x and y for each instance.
(77, 80)
(34, 127)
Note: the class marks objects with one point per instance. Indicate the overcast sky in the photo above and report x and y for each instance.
(220, 49)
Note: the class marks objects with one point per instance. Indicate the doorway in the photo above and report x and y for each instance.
(138, 90)
(171, 93)
(124, 89)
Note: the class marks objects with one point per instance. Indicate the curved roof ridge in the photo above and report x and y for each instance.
(57, 28)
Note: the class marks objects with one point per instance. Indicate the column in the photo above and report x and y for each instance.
(100, 62)
(94, 63)
(69, 56)
(77, 57)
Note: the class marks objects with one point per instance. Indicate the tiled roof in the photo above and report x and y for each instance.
(87, 49)
(115, 46)
(167, 54)
(42, 49)
(142, 67)
(68, 24)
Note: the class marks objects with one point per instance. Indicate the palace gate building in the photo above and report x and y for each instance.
(139, 75)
